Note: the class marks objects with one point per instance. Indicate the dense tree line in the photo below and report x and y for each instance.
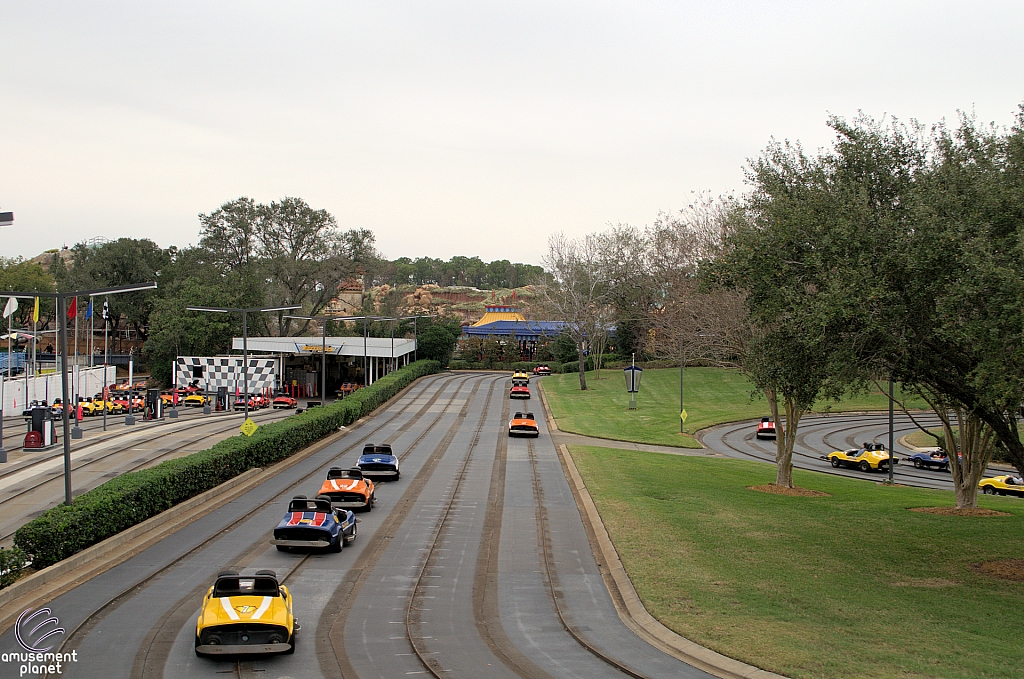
(895, 254)
(465, 271)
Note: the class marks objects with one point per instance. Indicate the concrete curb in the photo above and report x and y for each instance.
(627, 602)
(631, 609)
(45, 585)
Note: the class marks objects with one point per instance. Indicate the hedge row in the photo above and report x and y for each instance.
(134, 497)
(12, 561)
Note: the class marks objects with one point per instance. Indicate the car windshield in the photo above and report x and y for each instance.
(344, 474)
(235, 586)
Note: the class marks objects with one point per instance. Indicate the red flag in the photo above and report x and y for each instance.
(73, 309)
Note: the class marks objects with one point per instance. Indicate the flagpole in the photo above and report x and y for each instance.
(92, 330)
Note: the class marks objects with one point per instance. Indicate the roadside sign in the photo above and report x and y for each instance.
(249, 427)
(682, 415)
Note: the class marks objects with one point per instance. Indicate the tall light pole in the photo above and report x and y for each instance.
(245, 337)
(415, 334)
(62, 332)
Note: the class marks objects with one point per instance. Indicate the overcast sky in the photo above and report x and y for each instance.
(452, 128)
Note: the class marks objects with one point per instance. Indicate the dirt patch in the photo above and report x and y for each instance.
(792, 492)
(925, 582)
(958, 511)
(1007, 569)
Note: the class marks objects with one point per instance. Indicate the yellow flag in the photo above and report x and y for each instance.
(35, 312)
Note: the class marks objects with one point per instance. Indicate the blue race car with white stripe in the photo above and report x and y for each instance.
(379, 462)
(313, 524)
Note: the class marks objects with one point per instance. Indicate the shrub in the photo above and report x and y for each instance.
(134, 497)
(12, 561)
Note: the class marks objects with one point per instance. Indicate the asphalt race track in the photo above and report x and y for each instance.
(475, 564)
(821, 434)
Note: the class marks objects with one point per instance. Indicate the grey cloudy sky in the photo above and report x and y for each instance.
(474, 128)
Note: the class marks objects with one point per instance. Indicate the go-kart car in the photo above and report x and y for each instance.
(520, 375)
(872, 456)
(542, 369)
(348, 488)
(285, 401)
(195, 401)
(933, 460)
(523, 424)
(765, 428)
(246, 615)
(39, 404)
(1002, 485)
(519, 391)
(239, 403)
(379, 462)
(314, 524)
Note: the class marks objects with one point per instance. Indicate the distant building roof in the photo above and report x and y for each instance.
(494, 314)
(515, 328)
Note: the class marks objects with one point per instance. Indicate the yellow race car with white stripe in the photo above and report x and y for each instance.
(869, 457)
(246, 615)
(1010, 484)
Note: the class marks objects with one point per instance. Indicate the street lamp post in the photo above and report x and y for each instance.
(245, 338)
(61, 299)
(633, 375)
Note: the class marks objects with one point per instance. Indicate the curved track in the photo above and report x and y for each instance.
(821, 434)
(475, 564)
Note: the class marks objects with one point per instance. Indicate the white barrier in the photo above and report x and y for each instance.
(83, 381)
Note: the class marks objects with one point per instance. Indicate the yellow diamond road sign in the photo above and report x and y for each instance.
(682, 415)
(249, 427)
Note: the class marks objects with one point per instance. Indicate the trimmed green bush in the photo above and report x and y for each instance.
(12, 561)
(134, 497)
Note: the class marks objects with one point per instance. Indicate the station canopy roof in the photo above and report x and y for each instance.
(336, 346)
(517, 329)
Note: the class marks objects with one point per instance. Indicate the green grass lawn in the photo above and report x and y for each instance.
(710, 396)
(851, 585)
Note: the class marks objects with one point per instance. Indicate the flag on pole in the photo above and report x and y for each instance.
(35, 312)
(88, 311)
(73, 309)
(12, 306)
(106, 309)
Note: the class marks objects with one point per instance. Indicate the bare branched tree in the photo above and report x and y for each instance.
(574, 290)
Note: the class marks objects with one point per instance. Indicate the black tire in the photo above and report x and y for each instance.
(337, 545)
(282, 548)
(291, 650)
(198, 654)
(988, 490)
(864, 466)
(355, 532)
(835, 462)
(918, 464)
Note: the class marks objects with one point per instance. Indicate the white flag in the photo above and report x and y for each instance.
(12, 306)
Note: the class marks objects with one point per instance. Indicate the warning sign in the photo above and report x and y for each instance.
(249, 427)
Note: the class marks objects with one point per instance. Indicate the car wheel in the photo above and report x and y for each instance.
(351, 538)
(988, 490)
(291, 649)
(918, 464)
(338, 544)
(864, 466)
(835, 462)
(283, 548)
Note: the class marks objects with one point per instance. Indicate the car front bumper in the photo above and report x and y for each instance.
(242, 649)
(300, 543)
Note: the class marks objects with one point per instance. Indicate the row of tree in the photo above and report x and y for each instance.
(249, 255)
(464, 271)
(895, 254)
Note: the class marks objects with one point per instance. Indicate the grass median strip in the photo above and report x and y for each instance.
(851, 584)
(710, 396)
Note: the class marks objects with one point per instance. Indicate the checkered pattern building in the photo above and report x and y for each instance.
(218, 371)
